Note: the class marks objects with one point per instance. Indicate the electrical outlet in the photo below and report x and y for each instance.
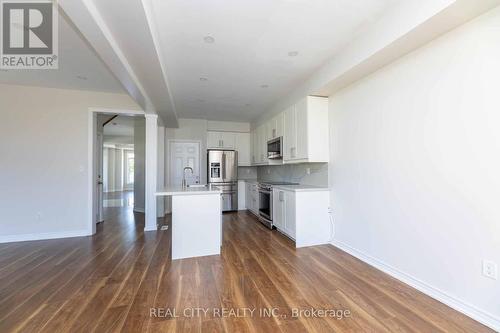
(490, 269)
(308, 171)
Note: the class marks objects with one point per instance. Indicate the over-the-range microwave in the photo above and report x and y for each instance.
(274, 148)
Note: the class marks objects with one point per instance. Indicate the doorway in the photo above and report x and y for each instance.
(118, 147)
(118, 167)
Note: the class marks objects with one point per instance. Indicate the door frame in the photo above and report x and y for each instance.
(169, 145)
(92, 196)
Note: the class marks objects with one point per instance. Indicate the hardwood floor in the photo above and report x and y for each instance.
(122, 278)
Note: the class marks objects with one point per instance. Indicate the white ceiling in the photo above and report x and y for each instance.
(76, 59)
(252, 42)
(120, 126)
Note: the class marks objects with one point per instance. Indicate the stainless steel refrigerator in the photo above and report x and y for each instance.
(223, 172)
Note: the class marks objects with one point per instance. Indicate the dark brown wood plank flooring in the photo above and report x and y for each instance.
(110, 282)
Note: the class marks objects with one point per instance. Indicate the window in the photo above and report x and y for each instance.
(130, 168)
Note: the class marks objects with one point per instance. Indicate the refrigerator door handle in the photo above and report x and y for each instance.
(223, 166)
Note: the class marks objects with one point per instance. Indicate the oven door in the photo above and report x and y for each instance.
(266, 204)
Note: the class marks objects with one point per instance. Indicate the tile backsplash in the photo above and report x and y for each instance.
(295, 173)
(247, 173)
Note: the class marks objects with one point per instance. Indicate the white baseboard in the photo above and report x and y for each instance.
(470, 310)
(114, 190)
(139, 210)
(43, 236)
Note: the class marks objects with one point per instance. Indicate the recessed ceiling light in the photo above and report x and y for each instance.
(247, 104)
(203, 79)
(293, 53)
(264, 86)
(209, 39)
(81, 77)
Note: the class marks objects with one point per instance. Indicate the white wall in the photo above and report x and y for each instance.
(415, 168)
(113, 169)
(44, 152)
(228, 126)
(139, 164)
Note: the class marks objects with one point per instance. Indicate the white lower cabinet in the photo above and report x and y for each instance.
(242, 195)
(283, 212)
(303, 215)
(248, 196)
(252, 197)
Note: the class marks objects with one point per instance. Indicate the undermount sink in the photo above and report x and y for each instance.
(197, 185)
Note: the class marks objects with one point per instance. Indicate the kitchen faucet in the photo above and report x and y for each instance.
(184, 184)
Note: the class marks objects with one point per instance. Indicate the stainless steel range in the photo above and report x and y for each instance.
(266, 202)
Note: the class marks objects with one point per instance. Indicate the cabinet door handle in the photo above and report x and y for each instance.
(292, 151)
(222, 143)
(274, 133)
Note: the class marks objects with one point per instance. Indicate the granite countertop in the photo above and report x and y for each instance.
(178, 190)
(253, 181)
(301, 188)
(294, 188)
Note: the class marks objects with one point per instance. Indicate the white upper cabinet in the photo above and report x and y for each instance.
(221, 140)
(306, 136)
(261, 132)
(213, 140)
(242, 145)
(289, 138)
(254, 146)
(304, 129)
(275, 127)
(260, 136)
(233, 141)
(280, 125)
(301, 130)
(228, 140)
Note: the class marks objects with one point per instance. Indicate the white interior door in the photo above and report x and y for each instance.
(184, 154)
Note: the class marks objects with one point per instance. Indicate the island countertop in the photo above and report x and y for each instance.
(178, 190)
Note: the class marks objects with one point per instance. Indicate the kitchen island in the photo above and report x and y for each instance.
(196, 221)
